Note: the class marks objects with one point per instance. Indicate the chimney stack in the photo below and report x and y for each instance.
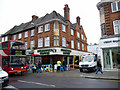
(66, 12)
(78, 20)
(34, 17)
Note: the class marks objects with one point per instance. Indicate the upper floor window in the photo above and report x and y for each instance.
(63, 41)
(32, 44)
(20, 36)
(26, 45)
(40, 29)
(26, 34)
(63, 28)
(47, 41)
(78, 35)
(82, 36)
(40, 42)
(6, 38)
(56, 25)
(56, 40)
(32, 32)
(115, 6)
(116, 25)
(72, 32)
(14, 37)
(101, 10)
(72, 43)
(103, 29)
(82, 46)
(78, 45)
(47, 27)
(2, 39)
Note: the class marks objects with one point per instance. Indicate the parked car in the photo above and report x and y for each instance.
(88, 63)
(4, 79)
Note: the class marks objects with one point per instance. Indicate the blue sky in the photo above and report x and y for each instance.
(15, 12)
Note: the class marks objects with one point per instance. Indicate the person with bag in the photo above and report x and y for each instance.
(99, 67)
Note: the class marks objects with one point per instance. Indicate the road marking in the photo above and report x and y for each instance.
(36, 83)
(10, 87)
(113, 80)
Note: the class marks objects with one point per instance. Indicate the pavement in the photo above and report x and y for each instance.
(75, 73)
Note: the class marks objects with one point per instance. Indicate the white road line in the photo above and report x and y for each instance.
(36, 83)
(10, 87)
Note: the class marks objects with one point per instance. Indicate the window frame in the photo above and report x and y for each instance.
(72, 32)
(72, 44)
(63, 28)
(40, 29)
(63, 41)
(32, 32)
(116, 25)
(47, 42)
(79, 45)
(20, 36)
(47, 27)
(117, 7)
(32, 44)
(26, 34)
(14, 37)
(40, 42)
(78, 34)
(56, 40)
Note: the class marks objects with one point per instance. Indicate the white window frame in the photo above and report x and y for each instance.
(40, 29)
(47, 27)
(63, 41)
(47, 41)
(20, 36)
(116, 6)
(26, 34)
(32, 44)
(14, 37)
(56, 40)
(82, 36)
(116, 25)
(32, 32)
(40, 42)
(78, 45)
(78, 35)
(72, 44)
(72, 32)
(2, 39)
(6, 38)
(63, 28)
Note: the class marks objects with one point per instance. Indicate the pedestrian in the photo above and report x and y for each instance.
(64, 65)
(34, 69)
(39, 67)
(99, 67)
(58, 65)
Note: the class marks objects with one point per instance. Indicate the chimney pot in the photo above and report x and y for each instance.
(34, 17)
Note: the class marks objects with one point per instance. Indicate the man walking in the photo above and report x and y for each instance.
(99, 67)
(64, 65)
(39, 67)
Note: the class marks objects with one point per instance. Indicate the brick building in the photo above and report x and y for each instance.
(51, 37)
(110, 33)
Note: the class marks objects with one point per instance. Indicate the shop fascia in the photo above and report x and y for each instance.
(110, 42)
(59, 51)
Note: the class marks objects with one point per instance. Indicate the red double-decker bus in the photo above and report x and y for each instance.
(13, 56)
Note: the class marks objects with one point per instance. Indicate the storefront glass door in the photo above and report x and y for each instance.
(106, 58)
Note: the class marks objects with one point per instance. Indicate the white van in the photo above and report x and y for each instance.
(4, 79)
(88, 63)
